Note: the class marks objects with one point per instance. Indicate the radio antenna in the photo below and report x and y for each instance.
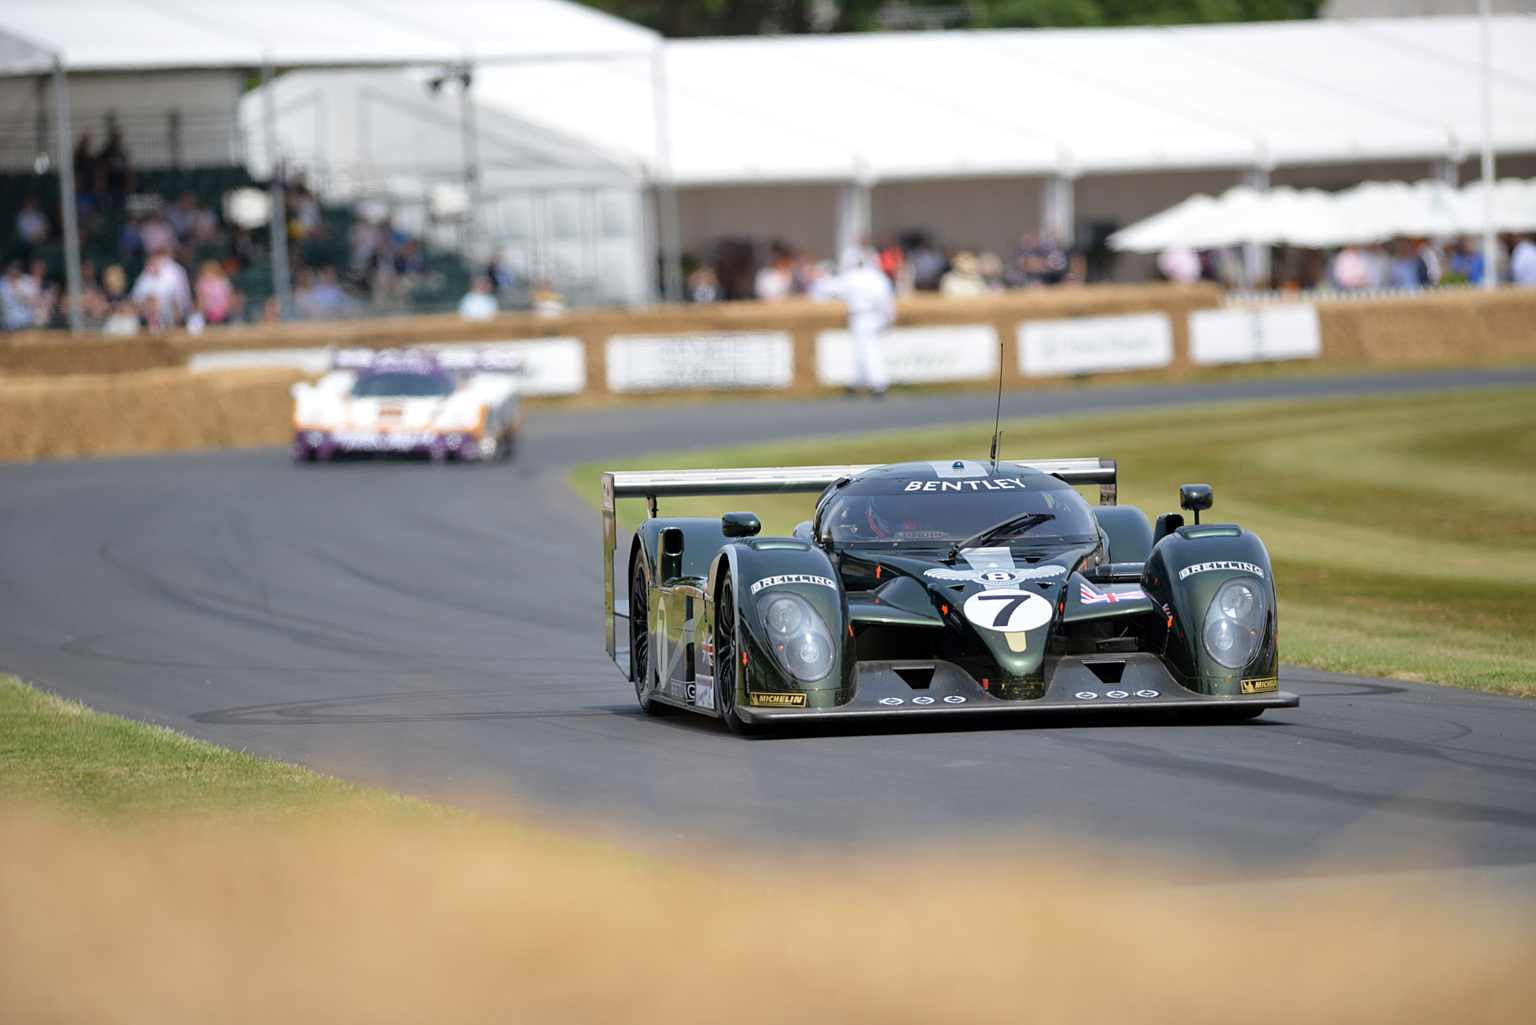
(997, 423)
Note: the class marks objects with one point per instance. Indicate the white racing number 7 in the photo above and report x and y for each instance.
(1008, 610)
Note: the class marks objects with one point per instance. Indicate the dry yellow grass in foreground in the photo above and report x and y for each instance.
(449, 924)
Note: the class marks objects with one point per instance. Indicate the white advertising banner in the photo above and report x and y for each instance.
(722, 360)
(1095, 345)
(551, 366)
(914, 355)
(1253, 335)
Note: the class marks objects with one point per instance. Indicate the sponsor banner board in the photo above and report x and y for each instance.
(914, 355)
(1094, 345)
(310, 361)
(550, 366)
(721, 360)
(1254, 335)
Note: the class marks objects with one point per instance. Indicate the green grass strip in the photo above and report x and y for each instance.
(60, 753)
(1402, 528)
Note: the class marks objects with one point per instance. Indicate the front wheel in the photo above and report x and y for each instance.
(726, 657)
(640, 641)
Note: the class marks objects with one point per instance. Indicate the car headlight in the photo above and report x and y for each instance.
(799, 638)
(1234, 623)
(459, 418)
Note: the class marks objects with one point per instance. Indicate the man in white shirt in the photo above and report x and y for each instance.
(1522, 264)
(478, 303)
(162, 293)
(871, 302)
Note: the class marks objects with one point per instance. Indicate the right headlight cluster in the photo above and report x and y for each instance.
(799, 638)
(1234, 623)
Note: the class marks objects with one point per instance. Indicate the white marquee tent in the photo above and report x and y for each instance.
(1312, 219)
(754, 119)
(936, 105)
(143, 35)
(547, 207)
(71, 38)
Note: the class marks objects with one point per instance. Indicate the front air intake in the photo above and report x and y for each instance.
(1107, 672)
(916, 677)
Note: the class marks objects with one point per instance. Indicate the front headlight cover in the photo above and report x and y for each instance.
(1234, 622)
(460, 416)
(798, 636)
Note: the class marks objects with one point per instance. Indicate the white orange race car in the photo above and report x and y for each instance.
(451, 404)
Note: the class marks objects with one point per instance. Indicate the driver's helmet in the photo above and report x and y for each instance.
(889, 516)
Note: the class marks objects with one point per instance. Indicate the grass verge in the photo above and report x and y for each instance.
(104, 768)
(1402, 528)
(135, 889)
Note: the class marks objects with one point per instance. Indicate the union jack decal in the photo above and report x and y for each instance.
(1093, 596)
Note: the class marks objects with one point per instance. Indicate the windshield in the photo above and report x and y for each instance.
(398, 385)
(893, 512)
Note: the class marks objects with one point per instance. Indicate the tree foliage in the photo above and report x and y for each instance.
(680, 18)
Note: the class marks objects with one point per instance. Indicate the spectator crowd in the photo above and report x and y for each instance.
(156, 264)
(737, 269)
(153, 263)
(1401, 265)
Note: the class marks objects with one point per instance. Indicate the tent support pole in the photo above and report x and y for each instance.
(67, 208)
(471, 133)
(1256, 254)
(853, 220)
(666, 190)
(1058, 209)
(1490, 244)
(277, 225)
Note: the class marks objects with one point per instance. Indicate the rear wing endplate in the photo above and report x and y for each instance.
(653, 484)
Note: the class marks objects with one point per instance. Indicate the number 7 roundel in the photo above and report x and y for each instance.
(1008, 610)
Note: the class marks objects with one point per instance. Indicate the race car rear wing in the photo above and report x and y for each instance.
(653, 484)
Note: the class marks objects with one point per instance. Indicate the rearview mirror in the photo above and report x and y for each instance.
(740, 524)
(1195, 497)
(671, 553)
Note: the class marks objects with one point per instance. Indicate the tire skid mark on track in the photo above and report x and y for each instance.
(1433, 748)
(226, 608)
(436, 598)
(1250, 778)
(318, 711)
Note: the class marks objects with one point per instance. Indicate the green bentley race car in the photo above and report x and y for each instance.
(938, 588)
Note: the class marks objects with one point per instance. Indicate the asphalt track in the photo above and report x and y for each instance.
(438, 631)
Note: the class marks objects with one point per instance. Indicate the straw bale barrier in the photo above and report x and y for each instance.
(63, 396)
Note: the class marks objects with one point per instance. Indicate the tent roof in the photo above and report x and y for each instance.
(942, 104)
(1368, 212)
(386, 124)
(140, 35)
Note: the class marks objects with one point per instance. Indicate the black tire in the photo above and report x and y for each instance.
(726, 656)
(640, 641)
(509, 447)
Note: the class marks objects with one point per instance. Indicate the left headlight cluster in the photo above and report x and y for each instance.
(459, 417)
(799, 637)
(1234, 623)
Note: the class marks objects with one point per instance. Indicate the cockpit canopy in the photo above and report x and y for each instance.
(402, 384)
(921, 505)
